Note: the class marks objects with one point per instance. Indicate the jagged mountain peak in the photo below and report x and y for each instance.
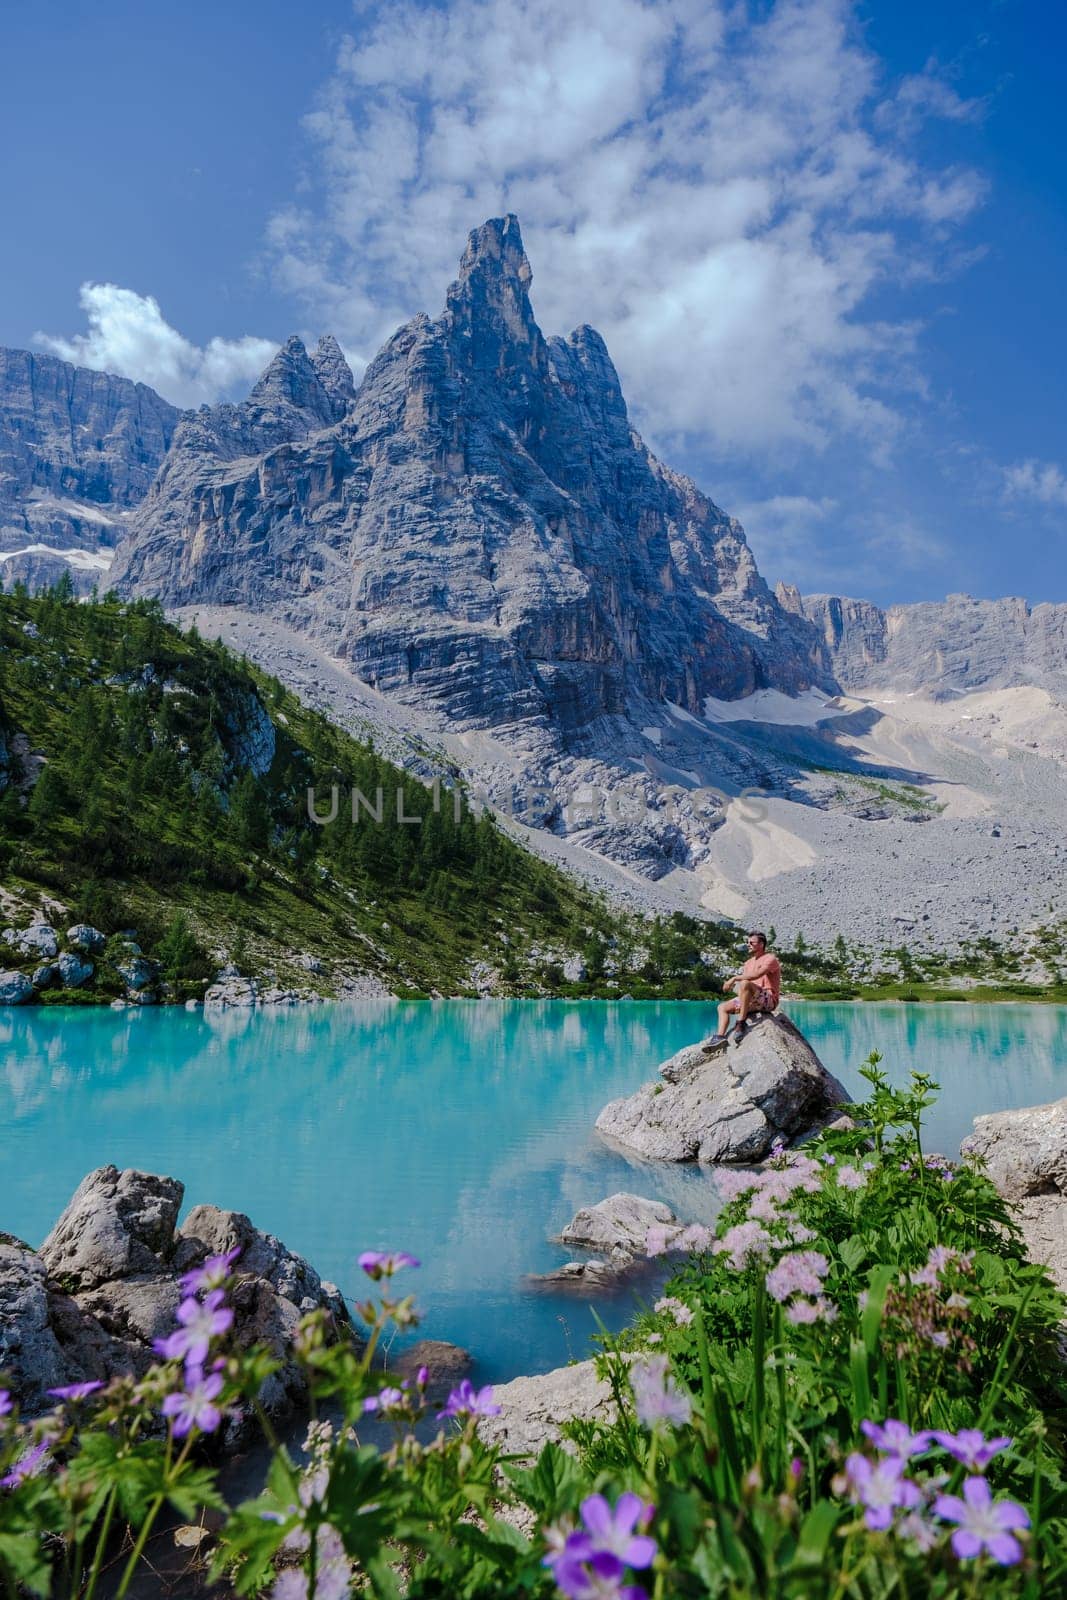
(290, 379)
(481, 532)
(488, 306)
(333, 371)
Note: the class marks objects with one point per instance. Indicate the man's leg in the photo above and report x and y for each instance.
(726, 1013)
(746, 996)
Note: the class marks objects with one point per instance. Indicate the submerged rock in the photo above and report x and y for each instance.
(620, 1223)
(729, 1104)
(1025, 1155)
(106, 1283)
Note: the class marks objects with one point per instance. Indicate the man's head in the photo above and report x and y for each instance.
(757, 942)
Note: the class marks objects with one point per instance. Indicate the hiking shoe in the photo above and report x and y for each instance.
(717, 1040)
(740, 1031)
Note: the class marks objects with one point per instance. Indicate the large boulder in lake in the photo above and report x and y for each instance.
(621, 1222)
(728, 1104)
(1025, 1155)
(106, 1283)
(117, 1224)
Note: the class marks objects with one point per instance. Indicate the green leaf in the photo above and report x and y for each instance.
(871, 1321)
(23, 1556)
(553, 1485)
(853, 1251)
(195, 1488)
(815, 1532)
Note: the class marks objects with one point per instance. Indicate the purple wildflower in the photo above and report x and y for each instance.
(422, 1377)
(732, 1185)
(200, 1322)
(984, 1523)
(211, 1274)
(695, 1237)
(849, 1177)
(333, 1572)
(971, 1447)
(806, 1311)
(881, 1488)
(658, 1239)
(682, 1314)
(466, 1401)
(657, 1397)
(195, 1407)
(28, 1465)
(7, 1405)
(385, 1400)
(612, 1532)
(77, 1391)
(589, 1563)
(801, 1272)
(896, 1438)
(383, 1263)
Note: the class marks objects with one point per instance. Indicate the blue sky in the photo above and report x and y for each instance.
(825, 241)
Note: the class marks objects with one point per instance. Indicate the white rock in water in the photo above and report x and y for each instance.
(619, 1223)
(728, 1104)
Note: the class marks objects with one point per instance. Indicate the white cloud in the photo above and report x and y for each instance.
(721, 197)
(1036, 480)
(128, 334)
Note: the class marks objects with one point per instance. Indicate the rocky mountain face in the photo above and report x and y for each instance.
(478, 530)
(949, 645)
(78, 450)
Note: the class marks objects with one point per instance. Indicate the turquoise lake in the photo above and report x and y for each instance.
(459, 1130)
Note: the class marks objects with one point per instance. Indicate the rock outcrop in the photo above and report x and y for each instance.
(1025, 1155)
(78, 450)
(728, 1104)
(105, 1284)
(533, 1410)
(947, 645)
(621, 1222)
(478, 529)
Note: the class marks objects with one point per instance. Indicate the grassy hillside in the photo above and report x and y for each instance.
(150, 780)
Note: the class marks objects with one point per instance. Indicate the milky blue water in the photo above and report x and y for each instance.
(459, 1130)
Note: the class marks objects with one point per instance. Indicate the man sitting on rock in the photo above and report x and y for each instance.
(758, 985)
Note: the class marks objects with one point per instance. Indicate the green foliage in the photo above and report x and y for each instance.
(144, 811)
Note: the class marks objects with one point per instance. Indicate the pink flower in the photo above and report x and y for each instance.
(658, 1239)
(743, 1243)
(805, 1311)
(657, 1397)
(850, 1178)
(801, 1272)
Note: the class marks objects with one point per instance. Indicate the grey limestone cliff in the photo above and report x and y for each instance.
(951, 645)
(478, 529)
(78, 450)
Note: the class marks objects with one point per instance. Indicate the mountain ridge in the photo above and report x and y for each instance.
(482, 531)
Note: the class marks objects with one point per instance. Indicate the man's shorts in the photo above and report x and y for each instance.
(762, 1000)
